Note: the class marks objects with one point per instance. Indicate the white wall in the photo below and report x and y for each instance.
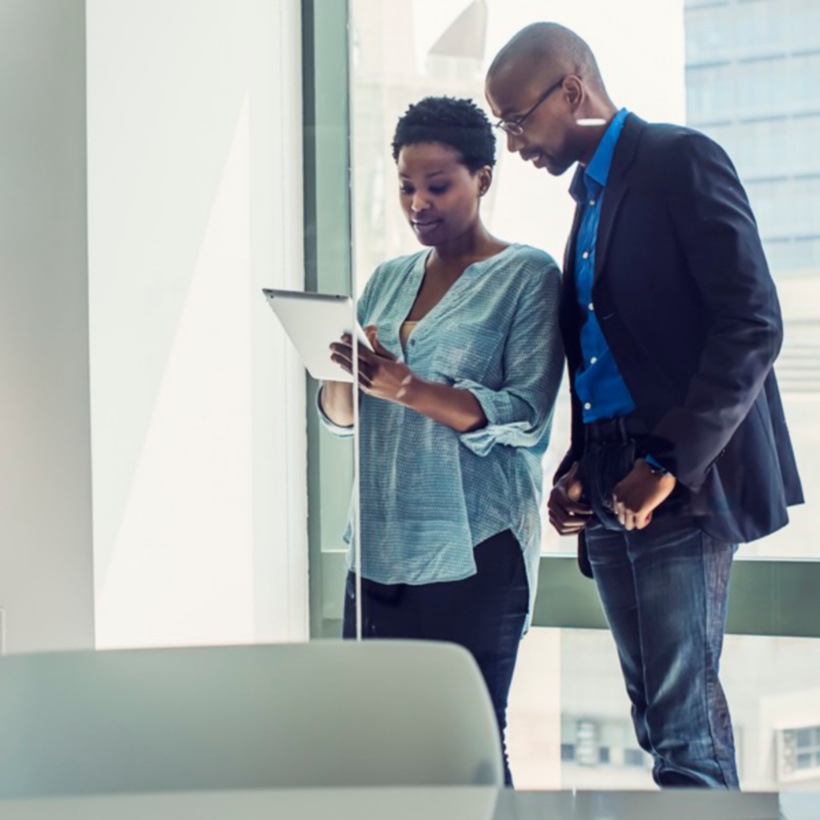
(194, 129)
(46, 586)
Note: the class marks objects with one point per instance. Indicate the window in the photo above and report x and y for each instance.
(759, 28)
(586, 743)
(799, 752)
(709, 33)
(568, 704)
(759, 87)
(796, 256)
(803, 25)
(635, 757)
(563, 673)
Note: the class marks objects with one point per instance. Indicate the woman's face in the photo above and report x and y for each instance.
(438, 193)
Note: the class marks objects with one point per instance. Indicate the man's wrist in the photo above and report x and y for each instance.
(655, 467)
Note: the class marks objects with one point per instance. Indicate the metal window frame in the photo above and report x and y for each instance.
(328, 265)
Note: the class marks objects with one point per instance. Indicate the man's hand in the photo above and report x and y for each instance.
(566, 511)
(639, 493)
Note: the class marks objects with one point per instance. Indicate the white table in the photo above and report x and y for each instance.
(478, 803)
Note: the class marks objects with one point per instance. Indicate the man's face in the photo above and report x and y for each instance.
(537, 111)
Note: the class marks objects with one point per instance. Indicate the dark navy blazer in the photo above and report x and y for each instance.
(688, 307)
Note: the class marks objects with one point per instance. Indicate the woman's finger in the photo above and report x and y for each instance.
(343, 361)
(344, 353)
(378, 347)
(381, 349)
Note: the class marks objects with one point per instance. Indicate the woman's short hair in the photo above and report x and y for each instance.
(459, 123)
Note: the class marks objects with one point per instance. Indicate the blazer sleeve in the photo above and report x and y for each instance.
(716, 229)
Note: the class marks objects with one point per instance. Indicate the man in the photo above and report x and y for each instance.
(679, 448)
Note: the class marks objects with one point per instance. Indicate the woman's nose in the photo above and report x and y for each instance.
(419, 203)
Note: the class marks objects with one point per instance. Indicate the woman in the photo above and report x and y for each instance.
(456, 407)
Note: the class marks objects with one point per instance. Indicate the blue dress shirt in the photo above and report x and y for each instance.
(599, 384)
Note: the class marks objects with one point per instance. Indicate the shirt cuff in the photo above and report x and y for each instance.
(336, 429)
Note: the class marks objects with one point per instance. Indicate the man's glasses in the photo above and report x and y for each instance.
(516, 127)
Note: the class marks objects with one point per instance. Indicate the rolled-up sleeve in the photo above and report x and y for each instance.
(519, 413)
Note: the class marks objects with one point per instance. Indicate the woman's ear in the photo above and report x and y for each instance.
(485, 179)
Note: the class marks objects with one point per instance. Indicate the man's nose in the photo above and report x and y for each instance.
(514, 142)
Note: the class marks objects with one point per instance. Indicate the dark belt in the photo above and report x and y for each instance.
(621, 429)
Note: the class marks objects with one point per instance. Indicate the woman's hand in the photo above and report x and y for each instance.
(381, 374)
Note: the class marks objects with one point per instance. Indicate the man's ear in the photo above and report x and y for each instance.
(574, 91)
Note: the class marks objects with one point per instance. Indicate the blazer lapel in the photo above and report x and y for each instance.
(616, 187)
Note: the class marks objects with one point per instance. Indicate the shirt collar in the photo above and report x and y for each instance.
(594, 176)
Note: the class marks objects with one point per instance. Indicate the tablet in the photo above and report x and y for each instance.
(313, 321)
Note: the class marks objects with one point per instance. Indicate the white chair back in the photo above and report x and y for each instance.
(325, 713)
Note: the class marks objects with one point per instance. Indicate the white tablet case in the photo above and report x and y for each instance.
(313, 321)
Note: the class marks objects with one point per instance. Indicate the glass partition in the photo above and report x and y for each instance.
(328, 244)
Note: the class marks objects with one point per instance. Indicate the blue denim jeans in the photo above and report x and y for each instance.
(664, 590)
(484, 613)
